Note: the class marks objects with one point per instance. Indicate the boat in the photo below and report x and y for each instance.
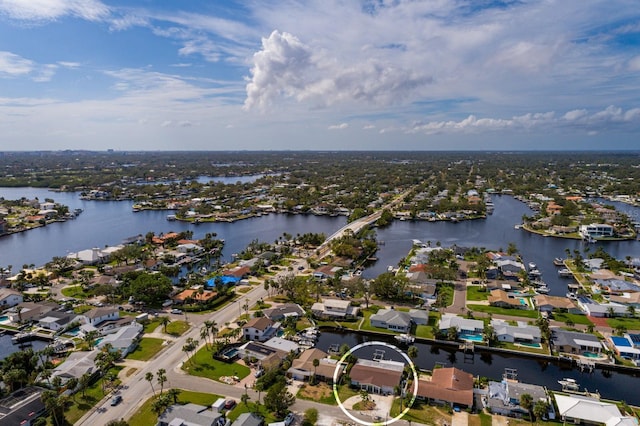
(543, 290)
(564, 272)
(571, 296)
(569, 384)
(517, 226)
(405, 338)
(22, 337)
(171, 217)
(532, 266)
(558, 261)
(534, 273)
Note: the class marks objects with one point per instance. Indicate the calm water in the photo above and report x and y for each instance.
(7, 347)
(611, 385)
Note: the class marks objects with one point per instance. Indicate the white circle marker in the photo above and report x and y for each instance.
(336, 373)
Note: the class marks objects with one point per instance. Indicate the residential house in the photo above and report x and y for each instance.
(104, 320)
(391, 319)
(259, 329)
(124, 340)
(579, 409)
(602, 310)
(56, 320)
(29, 311)
(264, 354)
(326, 271)
(194, 295)
(502, 299)
(447, 386)
(546, 303)
(521, 333)
(97, 315)
(9, 298)
(302, 367)
(76, 365)
(248, 419)
(335, 309)
(596, 231)
(283, 345)
(379, 377)
(22, 407)
(510, 269)
(573, 342)
(504, 397)
(91, 256)
(463, 325)
(628, 299)
(617, 286)
(190, 414)
(281, 312)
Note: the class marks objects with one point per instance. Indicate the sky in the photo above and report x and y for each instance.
(319, 75)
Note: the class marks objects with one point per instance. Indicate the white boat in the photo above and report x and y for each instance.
(532, 266)
(569, 384)
(405, 338)
(564, 272)
(534, 273)
(543, 290)
(558, 261)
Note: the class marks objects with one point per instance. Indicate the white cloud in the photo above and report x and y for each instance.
(368, 127)
(340, 126)
(13, 65)
(287, 68)
(45, 10)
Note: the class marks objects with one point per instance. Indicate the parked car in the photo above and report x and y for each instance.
(229, 404)
(116, 400)
(176, 311)
(289, 419)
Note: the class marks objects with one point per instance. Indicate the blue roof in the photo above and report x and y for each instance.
(635, 338)
(225, 279)
(620, 341)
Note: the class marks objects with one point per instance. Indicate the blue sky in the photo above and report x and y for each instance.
(319, 74)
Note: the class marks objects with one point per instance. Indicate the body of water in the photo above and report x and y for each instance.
(7, 347)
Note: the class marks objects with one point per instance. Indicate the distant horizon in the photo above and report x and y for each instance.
(504, 151)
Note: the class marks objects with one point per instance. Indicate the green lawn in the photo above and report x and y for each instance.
(425, 331)
(477, 293)
(145, 415)
(503, 311)
(81, 404)
(75, 291)
(577, 319)
(251, 406)
(147, 348)
(202, 364)
(177, 328)
(151, 326)
(628, 323)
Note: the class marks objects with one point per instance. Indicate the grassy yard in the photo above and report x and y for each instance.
(251, 407)
(577, 319)
(81, 404)
(75, 292)
(147, 348)
(422, 413)
(151, 326)
(628, 323)
(177, 328)
(425, 331)
(145, 415)
(323, 393)
(202, 364)
(503, 311)
(477, 293)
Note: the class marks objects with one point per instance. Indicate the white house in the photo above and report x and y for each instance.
(260, 329)
(96, 316)
(463, 325)
(9, 298)
(124, 340)
(596, 230)
(334, 309)
(581, 409)
(522, 333)
(76, 364)
(391, 320)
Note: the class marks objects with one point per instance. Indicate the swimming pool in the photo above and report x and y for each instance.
(591, 355)
(471, 337)
(530, 345)
(230, 353)
(523, 302)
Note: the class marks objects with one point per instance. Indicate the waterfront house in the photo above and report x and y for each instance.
(504, 397)
(628, 299)
(9, 298)
(509, 268)
(379, 377)
(574, 342)
(283, 345)
(56, 320)
(447, 386)
(104, 320)
(26, 312)
(617, 286)
(302, 367)
(520, 333)
(578, 409)
(76, 365)
(22, 407)
(91, 256)
(334, 309)
(124, 340)
(546, 303)
(98, 315)
(463, 325)
(191, 295)
(279, 313)
(259, 329)
(189, 414)
(391, 320)
(627, 346)
(502, 299)
(266, 355)
(601, 310)
(596, 231)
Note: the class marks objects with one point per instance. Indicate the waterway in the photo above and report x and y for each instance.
(610, 384)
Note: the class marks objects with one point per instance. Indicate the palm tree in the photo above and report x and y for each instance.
(173, 394)
(149, 378)
(316, 363)
(161, 377)
(631, 310)
(412, 352)
(164, 321)
(84, 381)
(526, 402)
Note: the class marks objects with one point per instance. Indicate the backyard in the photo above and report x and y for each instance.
(202, 364)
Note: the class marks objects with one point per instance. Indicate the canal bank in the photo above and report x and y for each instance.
(611, 381)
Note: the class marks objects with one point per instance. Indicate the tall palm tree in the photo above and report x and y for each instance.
(161, 377)
(164, 321)
(149, 378)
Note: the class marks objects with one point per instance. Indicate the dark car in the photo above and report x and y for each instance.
(229, 404)
(116, 400)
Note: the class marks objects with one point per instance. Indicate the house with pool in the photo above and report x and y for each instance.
(627, 346)
(576, 343)
(522, 333)
(503, 299)
(468, 329)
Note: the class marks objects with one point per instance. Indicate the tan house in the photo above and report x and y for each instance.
(447, 386)
(546, 303)
(302, 368)
(379, 377)
(503, 299)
